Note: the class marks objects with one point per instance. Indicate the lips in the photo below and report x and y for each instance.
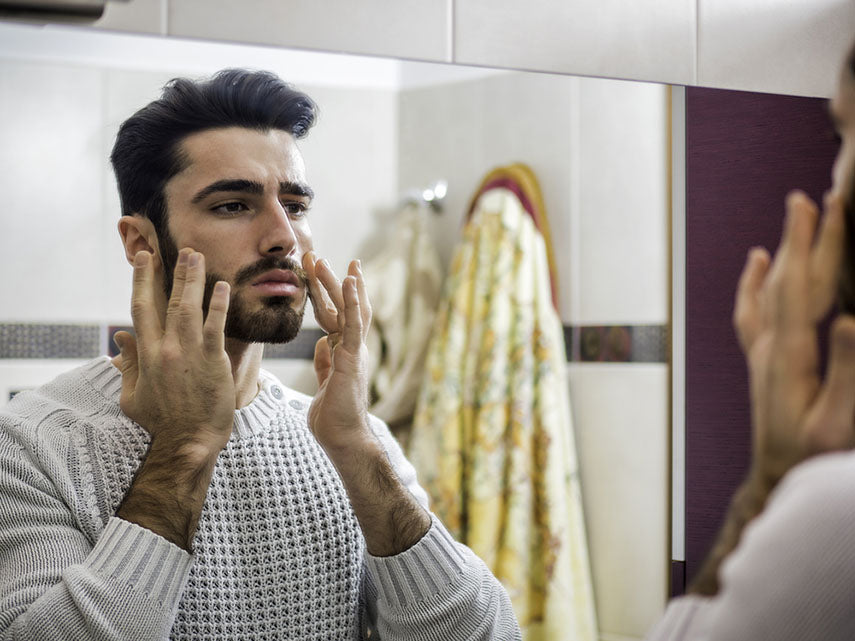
(277, 282)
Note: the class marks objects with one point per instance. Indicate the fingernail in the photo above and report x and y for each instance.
(194, 259)
(141, 259)
(118, 339)
(182, 257)
(359, 265)
(325, 263)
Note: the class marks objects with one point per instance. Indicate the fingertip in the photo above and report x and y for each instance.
(796, 197)
(142, 258)
(843, 330)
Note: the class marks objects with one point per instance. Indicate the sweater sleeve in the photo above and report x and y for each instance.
(438, 590)
(55, 584)
(793, 574)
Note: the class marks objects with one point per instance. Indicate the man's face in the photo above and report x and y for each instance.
(242, 200)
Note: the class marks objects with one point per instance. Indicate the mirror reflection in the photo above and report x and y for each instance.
(388, 131)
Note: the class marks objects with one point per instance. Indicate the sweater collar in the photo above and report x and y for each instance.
(250, 420)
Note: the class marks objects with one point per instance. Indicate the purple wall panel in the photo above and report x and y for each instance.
(745, 151)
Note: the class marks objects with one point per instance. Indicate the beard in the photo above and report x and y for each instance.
(278, 320)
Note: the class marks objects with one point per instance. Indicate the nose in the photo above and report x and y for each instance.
(277, 237)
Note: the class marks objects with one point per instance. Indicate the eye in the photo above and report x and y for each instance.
(295, 209)
(232, 208)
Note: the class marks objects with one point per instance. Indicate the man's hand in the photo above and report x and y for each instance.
(176, 383)
(794, 414)
(776, 313)
(390, 517)
(338, 416)
(177, 379)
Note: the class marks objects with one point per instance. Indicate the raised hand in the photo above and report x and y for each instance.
(778, 306)
(177, 383)
(390, 517)
(794, 413)
(176, 378)
(338, 415)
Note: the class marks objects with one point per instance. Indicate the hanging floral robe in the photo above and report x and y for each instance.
(404, 283)
(492, 437)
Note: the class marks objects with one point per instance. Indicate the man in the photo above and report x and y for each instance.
(180, 491)
(789, 573)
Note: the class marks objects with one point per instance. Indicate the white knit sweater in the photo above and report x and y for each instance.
(278, 553)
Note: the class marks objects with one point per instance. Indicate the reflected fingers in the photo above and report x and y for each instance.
(355, 270)
(325, 311)
(178, 279)
(747, 312)
(215, 323)
(143, 310)
(789, 295)
(352, 331)
(827, 257)
(332, 286)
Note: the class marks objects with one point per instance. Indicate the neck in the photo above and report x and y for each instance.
(246, 361)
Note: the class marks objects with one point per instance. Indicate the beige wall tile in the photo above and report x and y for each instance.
(405, 28)
(139, 16)
(776, 46)
(51, 149)
(620, 416)
(644, 40)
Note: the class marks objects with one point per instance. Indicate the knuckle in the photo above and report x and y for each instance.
(138, 307)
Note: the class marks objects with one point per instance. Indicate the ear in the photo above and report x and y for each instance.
(138, 235)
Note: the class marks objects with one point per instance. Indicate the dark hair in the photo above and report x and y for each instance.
(846, 283)
(147, 149)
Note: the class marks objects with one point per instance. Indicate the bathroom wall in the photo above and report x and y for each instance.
(599, 150)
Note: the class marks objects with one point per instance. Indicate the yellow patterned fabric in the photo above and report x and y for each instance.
(492, 438)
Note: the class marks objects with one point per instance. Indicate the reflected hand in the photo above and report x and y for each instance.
(778, 306)
(176, 378)
(338, 416)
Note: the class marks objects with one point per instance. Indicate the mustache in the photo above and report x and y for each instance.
(246, 274)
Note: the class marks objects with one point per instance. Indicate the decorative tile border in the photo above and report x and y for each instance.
(585, 344)
(617, 343)
(31, 340)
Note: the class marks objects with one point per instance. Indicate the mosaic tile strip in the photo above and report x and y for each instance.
(303, 346)
(34, 340)
(587, 344)
(617, 343)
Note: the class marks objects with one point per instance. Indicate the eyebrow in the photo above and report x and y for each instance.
(252, 187)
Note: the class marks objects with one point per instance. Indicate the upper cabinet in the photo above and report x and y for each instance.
(637, 40)
(779, 46)
(774, 46)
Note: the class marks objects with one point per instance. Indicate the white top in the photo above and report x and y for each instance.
(792, 577)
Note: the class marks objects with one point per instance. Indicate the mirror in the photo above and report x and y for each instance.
(600, 150)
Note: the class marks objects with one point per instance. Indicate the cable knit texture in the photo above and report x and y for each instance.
(278, 553)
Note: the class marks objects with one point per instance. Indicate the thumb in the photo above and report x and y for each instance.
(830, 425)
(323, 360)
(129, 364)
